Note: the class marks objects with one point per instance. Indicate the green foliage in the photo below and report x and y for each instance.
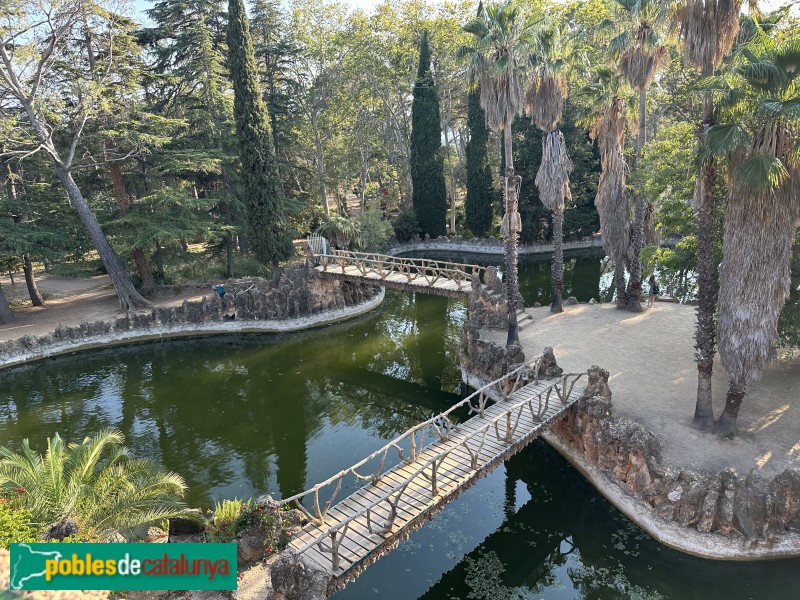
(429, 194)
(478, 204)
(16, 524)
(207, 268)
(374, 231)
(406, 227)
(580, 217)
(230, 517)
(94, 484)
(268, 232)
(339, 231)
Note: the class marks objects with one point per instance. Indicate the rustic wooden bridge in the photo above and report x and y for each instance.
(421, 470)
(437, 277)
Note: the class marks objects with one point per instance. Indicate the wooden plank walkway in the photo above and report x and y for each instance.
(373, 518)
(418, 281)
(414, 274)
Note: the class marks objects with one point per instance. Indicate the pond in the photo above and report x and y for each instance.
(241, 416)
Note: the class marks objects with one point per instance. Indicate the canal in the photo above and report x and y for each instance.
(239, 416)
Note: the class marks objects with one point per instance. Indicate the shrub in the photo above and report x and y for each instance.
(406, 226)
(374, 231)
(230, 517)
(16, 524)
(93, 488)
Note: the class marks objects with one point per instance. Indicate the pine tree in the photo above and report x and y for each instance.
(429, 195)
(478, 204)
(268, 233)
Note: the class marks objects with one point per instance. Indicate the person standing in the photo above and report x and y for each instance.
(654, 291)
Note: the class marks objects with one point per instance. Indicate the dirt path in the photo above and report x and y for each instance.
(70, 301)
(650, 357)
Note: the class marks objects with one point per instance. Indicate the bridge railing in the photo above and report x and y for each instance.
(408, 445)
(503, 427)
(381, 266)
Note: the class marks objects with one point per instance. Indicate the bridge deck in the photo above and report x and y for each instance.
(427, 283)
(523, 414)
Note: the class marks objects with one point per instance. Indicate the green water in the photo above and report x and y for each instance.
(243, 415)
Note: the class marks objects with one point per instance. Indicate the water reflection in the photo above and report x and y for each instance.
(535, 529)
(240, 416)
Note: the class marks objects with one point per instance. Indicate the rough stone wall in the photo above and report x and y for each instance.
(738, 507)
(299, 292)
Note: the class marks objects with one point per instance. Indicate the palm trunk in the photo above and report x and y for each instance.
(637, 239)
(619, 284)
(511, 279)
(30, 281)
(705, 332)
(726, 424)
(558, 261)
(6, 316)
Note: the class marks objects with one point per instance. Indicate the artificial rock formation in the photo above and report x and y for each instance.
(299, 292)
(743, 508)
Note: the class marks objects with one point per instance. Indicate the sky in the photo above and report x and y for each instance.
(139, 6)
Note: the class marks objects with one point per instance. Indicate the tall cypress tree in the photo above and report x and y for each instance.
(427, 167)
(478, 205)
(268, 231)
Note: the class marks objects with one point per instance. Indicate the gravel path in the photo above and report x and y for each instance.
(650, 357)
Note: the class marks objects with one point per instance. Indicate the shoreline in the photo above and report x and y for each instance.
(490, 246)
(710, 546)
(186, 330)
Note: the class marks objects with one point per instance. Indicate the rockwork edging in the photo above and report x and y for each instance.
(305, 302)
(488, 246)
(684, 539)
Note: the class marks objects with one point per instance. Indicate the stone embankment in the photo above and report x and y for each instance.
(713, 515)
(300, 299)
(720, 515)
(458, 244)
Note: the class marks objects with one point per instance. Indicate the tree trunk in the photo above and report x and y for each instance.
(558, 261)
(511, 278)
(320, 160)
(6, 316)
(229, 256)
(637, 239)
(726, 424)
(129, 298)
(160, 262)
(619, 284)
(452, 177)
(13, 176)
(124, 202)
(705, 332)
(30, 281)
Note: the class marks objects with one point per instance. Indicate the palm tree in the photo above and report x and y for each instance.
(607, 126)
(761, 149)
(640, 52)
(709, 29)
(502, 39)
(92, 488)
(544, 104)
